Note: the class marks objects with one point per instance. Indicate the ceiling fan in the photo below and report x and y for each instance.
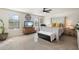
(47, 10)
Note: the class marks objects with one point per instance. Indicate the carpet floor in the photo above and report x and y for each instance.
(27, 42)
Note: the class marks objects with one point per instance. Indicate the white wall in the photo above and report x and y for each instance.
(72, 14)
(5, 15)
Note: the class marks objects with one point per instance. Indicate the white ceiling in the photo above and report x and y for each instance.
(38, 11)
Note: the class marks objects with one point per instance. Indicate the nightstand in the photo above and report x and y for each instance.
(70, 32)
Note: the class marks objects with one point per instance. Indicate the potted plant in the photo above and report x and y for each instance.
(3, 35)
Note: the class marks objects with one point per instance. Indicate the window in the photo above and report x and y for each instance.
(14, 22)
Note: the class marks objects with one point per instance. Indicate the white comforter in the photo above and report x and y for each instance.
(57, 31)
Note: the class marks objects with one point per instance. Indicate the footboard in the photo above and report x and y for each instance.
(43, 36)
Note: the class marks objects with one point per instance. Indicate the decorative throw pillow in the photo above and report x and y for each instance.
(60, 25)
(53, 24)
(57, 24)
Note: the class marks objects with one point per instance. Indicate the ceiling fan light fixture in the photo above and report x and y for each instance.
(47, 10)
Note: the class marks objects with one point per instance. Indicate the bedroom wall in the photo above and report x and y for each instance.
(71, 14)
(5, 15)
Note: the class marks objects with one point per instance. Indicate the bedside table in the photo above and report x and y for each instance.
(70, 32)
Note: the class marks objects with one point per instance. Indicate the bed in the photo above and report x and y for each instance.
(56, 33)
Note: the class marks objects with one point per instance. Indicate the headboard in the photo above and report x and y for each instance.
(57, 21)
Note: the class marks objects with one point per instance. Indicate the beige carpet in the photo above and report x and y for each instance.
(27, 42)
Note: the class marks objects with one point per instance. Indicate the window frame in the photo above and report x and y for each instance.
(14, 20)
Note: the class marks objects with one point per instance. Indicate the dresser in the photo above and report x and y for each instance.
(29, 30)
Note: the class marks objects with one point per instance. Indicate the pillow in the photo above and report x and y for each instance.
(57, 24)
(61, 25)
(53, 24)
